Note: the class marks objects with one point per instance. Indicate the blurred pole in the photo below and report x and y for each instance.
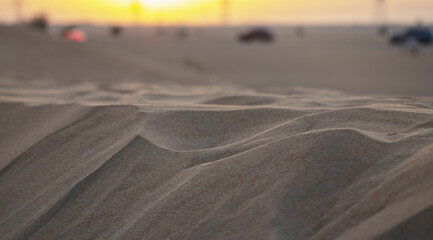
(225, 12)
(160, 24)
(204, 18)
(381, 16)
(381, 11)
(136, 9)
(18, 11)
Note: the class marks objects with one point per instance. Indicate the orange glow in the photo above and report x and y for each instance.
(208, 12)
(159, 4)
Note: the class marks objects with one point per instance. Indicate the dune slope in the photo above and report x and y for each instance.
(200, 171)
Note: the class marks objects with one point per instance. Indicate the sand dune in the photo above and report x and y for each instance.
(200, 171)
(141, 160)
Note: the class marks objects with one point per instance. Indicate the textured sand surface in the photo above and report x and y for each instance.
(151, 160)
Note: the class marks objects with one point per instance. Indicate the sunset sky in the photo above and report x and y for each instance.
(208, 12)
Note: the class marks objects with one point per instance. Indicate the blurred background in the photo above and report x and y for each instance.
(208, 12)
(356, 46)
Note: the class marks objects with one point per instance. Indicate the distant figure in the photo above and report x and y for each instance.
(382, 30)
(381, 17)
(116, 31)
(257, 35)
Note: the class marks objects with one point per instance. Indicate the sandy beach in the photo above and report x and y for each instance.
(118, 139)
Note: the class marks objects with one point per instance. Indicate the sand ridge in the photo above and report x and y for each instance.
(187, 171)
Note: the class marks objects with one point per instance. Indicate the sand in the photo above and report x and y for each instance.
(184, 158)
(350, 59)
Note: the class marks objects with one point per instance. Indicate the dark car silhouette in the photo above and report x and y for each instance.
(420, 34)
(257, 35)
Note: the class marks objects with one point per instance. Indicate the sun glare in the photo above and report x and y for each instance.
(157, 4)
(162, 3)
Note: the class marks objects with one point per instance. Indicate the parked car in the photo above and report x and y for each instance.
(257, 35)
(422, 35)
(72, 33)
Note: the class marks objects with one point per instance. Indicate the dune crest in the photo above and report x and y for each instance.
(181, 166)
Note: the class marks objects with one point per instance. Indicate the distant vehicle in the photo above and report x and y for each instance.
(422, 35)
(116, 31)
(72, 33)
(257, 35)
